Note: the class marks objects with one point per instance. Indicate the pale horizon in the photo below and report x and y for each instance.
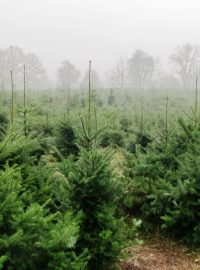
(100, 31)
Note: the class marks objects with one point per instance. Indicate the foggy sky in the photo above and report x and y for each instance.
(100, 30)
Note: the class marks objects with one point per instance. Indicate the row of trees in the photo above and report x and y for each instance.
(142, 70)
(69, 76)
(139, 71)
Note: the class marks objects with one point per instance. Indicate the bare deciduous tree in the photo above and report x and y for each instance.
(95, 80)
(68, 74)
(141, 68)
(186, 59)
(11, 59)
(35, 72)
(118, 75)
(15, 58)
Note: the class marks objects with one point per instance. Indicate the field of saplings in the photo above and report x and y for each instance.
(84, 174)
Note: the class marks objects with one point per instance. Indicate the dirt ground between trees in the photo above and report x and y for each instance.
(160, 254)
(157, 253)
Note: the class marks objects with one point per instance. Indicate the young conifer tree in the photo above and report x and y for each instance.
(94, 192)
(32, 236)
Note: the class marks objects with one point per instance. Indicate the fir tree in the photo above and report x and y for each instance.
(66, 139)
(93, 192)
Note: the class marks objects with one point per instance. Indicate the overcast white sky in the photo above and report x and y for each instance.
(100, 30)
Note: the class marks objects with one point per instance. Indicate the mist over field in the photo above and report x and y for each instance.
(101, 31)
